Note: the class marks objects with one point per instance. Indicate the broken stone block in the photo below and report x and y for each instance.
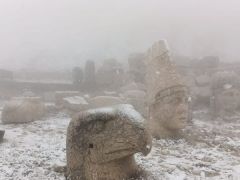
(59, 95)
(167, 94)
(23, 110)
(75, 103)
(101, 143)
(102, 101)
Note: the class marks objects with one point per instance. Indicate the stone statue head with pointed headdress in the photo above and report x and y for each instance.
(167, 94)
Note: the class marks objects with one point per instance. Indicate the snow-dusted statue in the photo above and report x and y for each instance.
(101, 143)
(167, 94)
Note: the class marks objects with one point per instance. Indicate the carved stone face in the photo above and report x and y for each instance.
(172, 112)
(119, 139)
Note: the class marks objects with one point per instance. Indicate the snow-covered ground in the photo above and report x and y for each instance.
(211, 150)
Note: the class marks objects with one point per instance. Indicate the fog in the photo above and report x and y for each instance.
(89, 90)
(58, 34)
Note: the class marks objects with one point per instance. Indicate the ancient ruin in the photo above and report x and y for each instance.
(167, 94)
(22, 110)
(101, 143)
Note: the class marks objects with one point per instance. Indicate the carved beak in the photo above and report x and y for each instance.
(146, 143)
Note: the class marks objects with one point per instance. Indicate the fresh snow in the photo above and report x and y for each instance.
(30, 151)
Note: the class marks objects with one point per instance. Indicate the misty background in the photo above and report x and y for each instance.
(59, 34)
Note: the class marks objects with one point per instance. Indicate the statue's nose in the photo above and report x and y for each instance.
(182, 108)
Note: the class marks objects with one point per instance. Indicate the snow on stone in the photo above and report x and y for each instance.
(30, 151)
(76, 100)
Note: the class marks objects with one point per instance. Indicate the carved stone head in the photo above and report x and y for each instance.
(170, 113)
(101, 143)
(166, 93)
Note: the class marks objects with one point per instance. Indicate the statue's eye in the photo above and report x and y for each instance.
(90, 145)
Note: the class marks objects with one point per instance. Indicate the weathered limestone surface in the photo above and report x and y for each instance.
(22, 110)
(166, 93)
(101, 143)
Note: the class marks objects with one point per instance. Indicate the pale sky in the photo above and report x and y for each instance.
(64, 33)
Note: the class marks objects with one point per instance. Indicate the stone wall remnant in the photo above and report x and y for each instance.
(101, 143)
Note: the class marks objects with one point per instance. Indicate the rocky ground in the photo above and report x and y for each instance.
(211, 150)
